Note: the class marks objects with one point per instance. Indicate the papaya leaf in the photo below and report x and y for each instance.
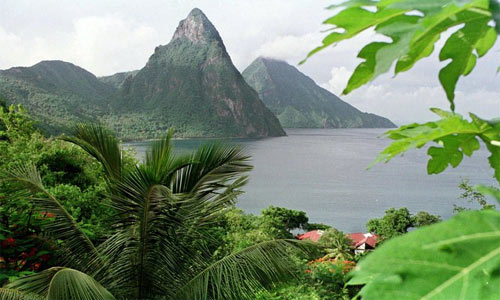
(353, 20)
(414, 27)
(459, 47)
(453, 137)
(455, 259)
(441, 158)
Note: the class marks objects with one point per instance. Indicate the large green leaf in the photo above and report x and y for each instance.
(62, 284)
(101, 144)
(13, 294)
(456, 259)
(241, 274)
(460, 47)
(413, 27)
(453, 136)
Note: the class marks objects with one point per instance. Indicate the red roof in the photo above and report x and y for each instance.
(357, 238)
(360, 238)
(311, 235)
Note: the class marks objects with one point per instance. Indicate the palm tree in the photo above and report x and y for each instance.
(337, 245)
(158, 249)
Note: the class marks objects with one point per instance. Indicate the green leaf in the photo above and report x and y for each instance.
(379, 56)
(354, 20)
(62, 284)
(414, 27)
(455, 137)
(441, 157)
(469, 145)
(239, 274)
(459, 48)
(101, 144)
(12, 294)
(455, 259)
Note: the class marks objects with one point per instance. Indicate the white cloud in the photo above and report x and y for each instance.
(340, 77)
(11, 43)
(106, 44)
(101, 44)
(410, 103)
(291, 48)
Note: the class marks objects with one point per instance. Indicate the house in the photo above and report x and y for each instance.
(313, 235)
(360, 241)
(363, 241)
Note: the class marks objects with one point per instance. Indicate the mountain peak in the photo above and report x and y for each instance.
(299, 102)
(196, 27)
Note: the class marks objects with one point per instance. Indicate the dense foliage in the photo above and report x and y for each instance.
(72, 191)
(57, 94)
(397, 222)
(459, 258)
(159, 218)
(66, 171)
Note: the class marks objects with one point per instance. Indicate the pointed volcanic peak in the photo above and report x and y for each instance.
(300, 103)
(197, 28)
(192, 85)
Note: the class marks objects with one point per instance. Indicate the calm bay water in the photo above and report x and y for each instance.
(323, 172)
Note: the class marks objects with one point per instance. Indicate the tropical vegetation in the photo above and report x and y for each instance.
(157, 239)
(81, 218)
(459, 258)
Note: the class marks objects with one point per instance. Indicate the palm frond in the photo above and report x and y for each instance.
(101, 144)
(161, 162)
(62, 284)
(13, 294)
(241, 274)
(202, 209)
(80, 250)
(211, 166)
(144, 244)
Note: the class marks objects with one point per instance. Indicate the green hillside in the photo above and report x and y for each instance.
(300, 103)
(56, 93)
(117, 79)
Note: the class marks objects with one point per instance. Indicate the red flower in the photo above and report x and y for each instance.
(45, 257)
(23, 255)
(33, 252)
(9, 242)
(36, 266)
(47, 214)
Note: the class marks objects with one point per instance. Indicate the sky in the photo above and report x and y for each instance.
(109, 36)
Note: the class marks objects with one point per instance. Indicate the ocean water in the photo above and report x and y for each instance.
(323, 172)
